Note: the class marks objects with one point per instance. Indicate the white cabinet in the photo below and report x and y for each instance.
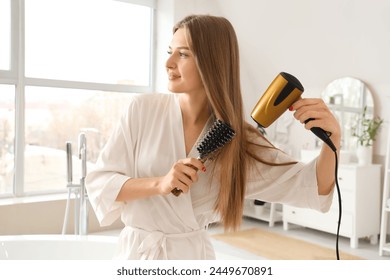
(360, 194)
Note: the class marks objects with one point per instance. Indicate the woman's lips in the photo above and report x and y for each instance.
(172, 76)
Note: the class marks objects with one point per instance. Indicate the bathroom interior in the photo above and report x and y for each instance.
(64, 84)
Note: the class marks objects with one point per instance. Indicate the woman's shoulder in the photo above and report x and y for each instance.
(151, 101)
(149, 105)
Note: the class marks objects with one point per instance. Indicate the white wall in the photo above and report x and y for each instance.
(317, 41)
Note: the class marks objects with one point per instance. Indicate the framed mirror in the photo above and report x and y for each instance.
(347, 97)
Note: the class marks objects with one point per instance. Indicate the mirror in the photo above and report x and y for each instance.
(347, 97)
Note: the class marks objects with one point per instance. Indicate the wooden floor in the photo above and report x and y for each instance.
(365, 250)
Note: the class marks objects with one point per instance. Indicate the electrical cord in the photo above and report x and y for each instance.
(340, 207)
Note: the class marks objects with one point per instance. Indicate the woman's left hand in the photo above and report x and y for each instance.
(319, 115)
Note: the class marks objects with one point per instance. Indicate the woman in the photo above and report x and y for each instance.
(152, 152)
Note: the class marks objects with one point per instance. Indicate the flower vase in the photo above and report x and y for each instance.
(364, 155)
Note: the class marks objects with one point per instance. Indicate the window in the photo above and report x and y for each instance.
(7, 136)
(101, 41)
(79, 61)
(55, 116)
(5, 34)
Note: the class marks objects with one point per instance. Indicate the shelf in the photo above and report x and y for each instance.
(386, 247)
(265, 215)
(262, 212)
(383, 246)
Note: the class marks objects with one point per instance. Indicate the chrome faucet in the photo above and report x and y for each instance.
(83, 230)
(81, 210)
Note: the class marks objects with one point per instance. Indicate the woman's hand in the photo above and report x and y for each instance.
(181, 176)
(319, 115)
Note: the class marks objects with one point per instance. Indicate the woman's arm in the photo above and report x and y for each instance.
(316, 109)
(181, 176)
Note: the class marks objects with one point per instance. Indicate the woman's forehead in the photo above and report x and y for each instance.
(179, 39)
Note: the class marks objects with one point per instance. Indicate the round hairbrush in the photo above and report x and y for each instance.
(214, 139)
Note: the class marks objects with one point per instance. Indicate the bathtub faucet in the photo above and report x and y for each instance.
(78, 190)
(83, 192)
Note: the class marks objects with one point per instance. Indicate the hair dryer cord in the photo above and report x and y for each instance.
(340, 207)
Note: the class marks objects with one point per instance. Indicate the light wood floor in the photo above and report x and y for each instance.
(364, 250)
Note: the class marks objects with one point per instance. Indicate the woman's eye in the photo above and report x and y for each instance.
(181, 54)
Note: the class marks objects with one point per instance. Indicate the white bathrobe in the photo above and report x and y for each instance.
(146, 143)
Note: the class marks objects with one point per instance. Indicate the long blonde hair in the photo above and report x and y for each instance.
(214, 44)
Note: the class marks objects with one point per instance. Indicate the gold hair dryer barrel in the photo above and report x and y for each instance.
(280, 95)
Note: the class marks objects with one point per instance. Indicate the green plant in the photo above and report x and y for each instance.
(366, 129)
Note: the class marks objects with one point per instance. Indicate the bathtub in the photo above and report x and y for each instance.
(57, 247)
(91, 247)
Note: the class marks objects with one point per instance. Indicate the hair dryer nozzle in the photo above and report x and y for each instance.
(280, 95)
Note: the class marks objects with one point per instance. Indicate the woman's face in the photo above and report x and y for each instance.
(183, 75)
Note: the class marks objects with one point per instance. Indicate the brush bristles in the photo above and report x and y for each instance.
(215, 138)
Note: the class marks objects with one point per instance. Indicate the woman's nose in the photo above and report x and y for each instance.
(170, 64)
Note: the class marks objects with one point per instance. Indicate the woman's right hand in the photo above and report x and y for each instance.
(181, 176)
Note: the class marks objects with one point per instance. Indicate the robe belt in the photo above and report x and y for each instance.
(155, 242)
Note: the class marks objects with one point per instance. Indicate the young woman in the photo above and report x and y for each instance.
(152, 151)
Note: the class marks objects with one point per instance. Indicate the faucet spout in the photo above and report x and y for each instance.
(83, 193)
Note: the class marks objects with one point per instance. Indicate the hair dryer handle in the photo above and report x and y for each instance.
(323, 135)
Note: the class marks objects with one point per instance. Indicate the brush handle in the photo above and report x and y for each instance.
(177, 191)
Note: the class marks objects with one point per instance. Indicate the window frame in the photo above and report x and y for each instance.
(16, 76)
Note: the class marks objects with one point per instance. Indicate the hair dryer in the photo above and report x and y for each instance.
(280, 95)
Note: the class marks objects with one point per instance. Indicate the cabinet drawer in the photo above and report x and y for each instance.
(317, 220)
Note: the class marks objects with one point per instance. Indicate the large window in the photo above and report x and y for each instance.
(7, 136)
(5, 34)
(103, 41)
(71, 71)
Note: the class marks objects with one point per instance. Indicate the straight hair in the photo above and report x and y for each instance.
(214, 44)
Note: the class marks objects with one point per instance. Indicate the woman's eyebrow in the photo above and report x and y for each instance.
(180, 48)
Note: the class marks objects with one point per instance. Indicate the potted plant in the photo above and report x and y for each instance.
(365, 131)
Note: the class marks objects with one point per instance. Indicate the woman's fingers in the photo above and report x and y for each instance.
(313, 112)
(183, 174)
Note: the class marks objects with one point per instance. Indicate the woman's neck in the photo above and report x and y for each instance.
(195, 113)
(195, 110)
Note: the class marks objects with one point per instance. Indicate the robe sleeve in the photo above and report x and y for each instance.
(115, 165)
(294, 184)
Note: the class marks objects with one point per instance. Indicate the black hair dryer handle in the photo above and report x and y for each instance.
(323, 135)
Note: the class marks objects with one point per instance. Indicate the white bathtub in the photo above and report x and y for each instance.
(57, 247)
(91, 247)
